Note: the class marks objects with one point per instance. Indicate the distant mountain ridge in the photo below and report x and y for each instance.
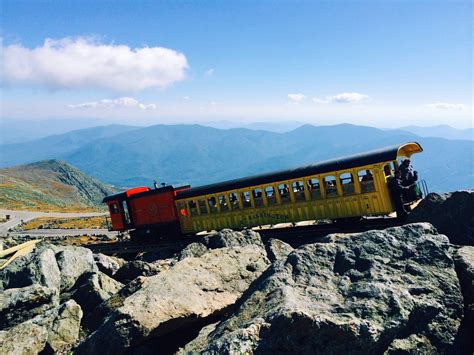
(198, 155)
(50, 185)
(441, 131)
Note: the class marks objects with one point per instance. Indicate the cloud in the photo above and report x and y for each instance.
(209, 72)
(122, 102)
(446, 106)
(296, 97)
(343, 98)
(71, 63)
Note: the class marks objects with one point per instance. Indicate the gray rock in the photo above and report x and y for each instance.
(414, 344)
(94, 288)
(276, 249)
(135, 268)
(73, 262)
(38, 267)
(65, 329)
(451, 214)
(108, 264)
(18, 305)
(26, 338)
(191, 291)
(193, 250)
(229, 238)
(357, 295)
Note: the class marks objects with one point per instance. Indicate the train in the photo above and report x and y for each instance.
(355, 186)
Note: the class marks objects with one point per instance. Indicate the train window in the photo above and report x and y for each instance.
(314, 189)
(284, 191)
(202, 206)
(223, 203)
(347, 183)
(114, 208)
(126, 215)
(193, 208)
(270, 193)
(366, 181)
(257, 197)
(234, 201)
(330, 186)
(246, 199)
(298, 190)
(387, 171)
(212, 202)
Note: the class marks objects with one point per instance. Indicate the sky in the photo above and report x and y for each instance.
(379, 63)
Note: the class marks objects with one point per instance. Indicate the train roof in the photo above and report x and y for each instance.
(347, 162)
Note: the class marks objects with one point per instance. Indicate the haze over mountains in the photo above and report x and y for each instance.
(127, 155)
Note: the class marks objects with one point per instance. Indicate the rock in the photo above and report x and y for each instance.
(414, 344)
(191, 291)
(450, 213)
(94, 319)
(91, 289)
(108, 264)
(65, 329)
(357, 295)
(464, 262)
(229, 238)
(18, 305)
(193, 250)
(276, 249)
(73, 262)
(133, 269)
(38, 267)
(25, 338)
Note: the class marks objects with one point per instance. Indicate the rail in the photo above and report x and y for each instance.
(423, 186)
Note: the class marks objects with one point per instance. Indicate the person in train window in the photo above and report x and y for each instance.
(368, 176)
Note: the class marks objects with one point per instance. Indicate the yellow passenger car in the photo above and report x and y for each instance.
(351, 186)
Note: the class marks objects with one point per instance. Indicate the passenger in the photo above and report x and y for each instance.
(409, 177)
(368, 176)
(155, 184)
(397, 190)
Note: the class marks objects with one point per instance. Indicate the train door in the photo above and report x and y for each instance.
(127, 221)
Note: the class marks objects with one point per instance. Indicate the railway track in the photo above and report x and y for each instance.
(293, 235)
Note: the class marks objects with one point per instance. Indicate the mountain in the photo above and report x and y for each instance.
(198, 155)
(56, 146)
(50, 185)
(441, 131)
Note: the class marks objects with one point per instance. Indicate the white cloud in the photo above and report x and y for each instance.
(186, 98)
(296, 97)
(122, 102)
(86, 63)
(209, 72)
(446, 106)
(343, 98)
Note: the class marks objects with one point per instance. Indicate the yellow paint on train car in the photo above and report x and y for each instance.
(359, 191)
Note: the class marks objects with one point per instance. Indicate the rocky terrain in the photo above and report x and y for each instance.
(50, 185)
(402, 290)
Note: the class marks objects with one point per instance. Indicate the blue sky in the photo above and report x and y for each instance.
(382, 63)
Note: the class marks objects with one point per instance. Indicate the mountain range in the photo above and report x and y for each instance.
(127, 156)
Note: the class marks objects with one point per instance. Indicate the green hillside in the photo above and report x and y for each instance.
(50, 185)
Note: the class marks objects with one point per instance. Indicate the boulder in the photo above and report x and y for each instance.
(228, 238)
(65, 329)
(38, 267)
(276, 249)
(108, 264)
(26, 338)
(135, 268)
(450, 213)
(73, 262)
(193, 250)
(18, 305)
(91, 289)
(191, 291)
(359, 293)
(414, 344)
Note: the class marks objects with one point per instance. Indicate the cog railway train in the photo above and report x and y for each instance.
(350, 187)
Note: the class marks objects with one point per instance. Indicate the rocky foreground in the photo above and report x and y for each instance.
(401, 290)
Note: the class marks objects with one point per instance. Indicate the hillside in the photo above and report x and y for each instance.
(50, 186)
(198, 155)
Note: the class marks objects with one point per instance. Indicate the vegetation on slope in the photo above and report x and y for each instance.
(50, 186)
